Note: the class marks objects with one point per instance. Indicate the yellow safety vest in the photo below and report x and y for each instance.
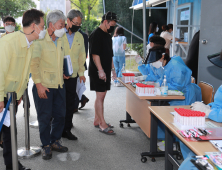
(47, 62)
(77, 53)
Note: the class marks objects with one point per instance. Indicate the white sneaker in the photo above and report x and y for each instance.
(118, 84)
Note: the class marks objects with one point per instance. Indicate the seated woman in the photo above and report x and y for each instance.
(154, 73)
(178, 77)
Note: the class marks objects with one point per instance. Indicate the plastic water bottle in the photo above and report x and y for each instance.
(123, 70)
(164, 87)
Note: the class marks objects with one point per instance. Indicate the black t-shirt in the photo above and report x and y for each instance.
(100, 43)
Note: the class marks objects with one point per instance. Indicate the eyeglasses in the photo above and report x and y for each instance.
(12, 24)
(77, 24)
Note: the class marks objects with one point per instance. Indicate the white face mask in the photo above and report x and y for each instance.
(157, 64)
(157, 29)
(10, 28)
(42, 33)
(59, 33)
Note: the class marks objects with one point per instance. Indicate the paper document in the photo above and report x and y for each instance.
(80, 88)
(210, 125)
(68, 70)
(7, 118)
(217, 144)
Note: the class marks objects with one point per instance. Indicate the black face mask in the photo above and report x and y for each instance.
(111, 29)
(74, 28)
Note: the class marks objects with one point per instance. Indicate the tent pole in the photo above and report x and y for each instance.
(144, 29)
(174, 26)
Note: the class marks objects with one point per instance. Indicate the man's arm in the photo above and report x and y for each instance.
(82, 60)
(113, 71)
(102, 74)
(35, 70)
(5, 58)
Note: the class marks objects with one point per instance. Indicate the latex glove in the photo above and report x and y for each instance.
(138, 60)
(114, 74)
(148, 49)
(199, 106)
(102, 75)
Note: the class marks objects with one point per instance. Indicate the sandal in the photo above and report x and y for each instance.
(106, 131)
(108, 124)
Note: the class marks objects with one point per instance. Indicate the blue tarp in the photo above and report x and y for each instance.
(180, 2)
(136, 2)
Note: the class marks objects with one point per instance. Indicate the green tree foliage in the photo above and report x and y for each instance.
(85, 6)
(138, 47)
(17, 27)
(15, 8)
(90, 25)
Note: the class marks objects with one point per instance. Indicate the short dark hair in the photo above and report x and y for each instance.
(152, 28)
(170, 26)
(8, 19)
(157, 40)
(31, 16)
(119, 31)
(109, 16)
(165, 28)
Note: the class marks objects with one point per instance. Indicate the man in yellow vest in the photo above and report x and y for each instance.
(15, 58)
(9, 24)
(48, 91)
(74, 46)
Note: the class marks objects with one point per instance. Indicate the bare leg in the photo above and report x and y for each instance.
(99, 110)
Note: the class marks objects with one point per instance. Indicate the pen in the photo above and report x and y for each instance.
(199, 156)
(207, 131)
(202, 131)
(182, 134)
(195, 129)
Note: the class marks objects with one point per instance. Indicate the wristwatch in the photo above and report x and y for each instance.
(113, 69)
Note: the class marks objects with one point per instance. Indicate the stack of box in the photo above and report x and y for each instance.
(128, 77)
(145, 90)
(189, 118)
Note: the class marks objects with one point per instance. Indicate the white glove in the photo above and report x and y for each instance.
(199, 106)
(139, 60)
(102, 75)
(148, 49)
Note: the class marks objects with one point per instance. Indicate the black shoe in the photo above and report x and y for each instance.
(46, 152)
(21, 167)
(83, 103)
(69, 135)
(56, 146)
(75, 110)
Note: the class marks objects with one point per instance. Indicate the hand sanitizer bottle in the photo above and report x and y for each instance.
(164, 87)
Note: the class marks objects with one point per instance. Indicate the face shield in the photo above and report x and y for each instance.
(153, 56)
